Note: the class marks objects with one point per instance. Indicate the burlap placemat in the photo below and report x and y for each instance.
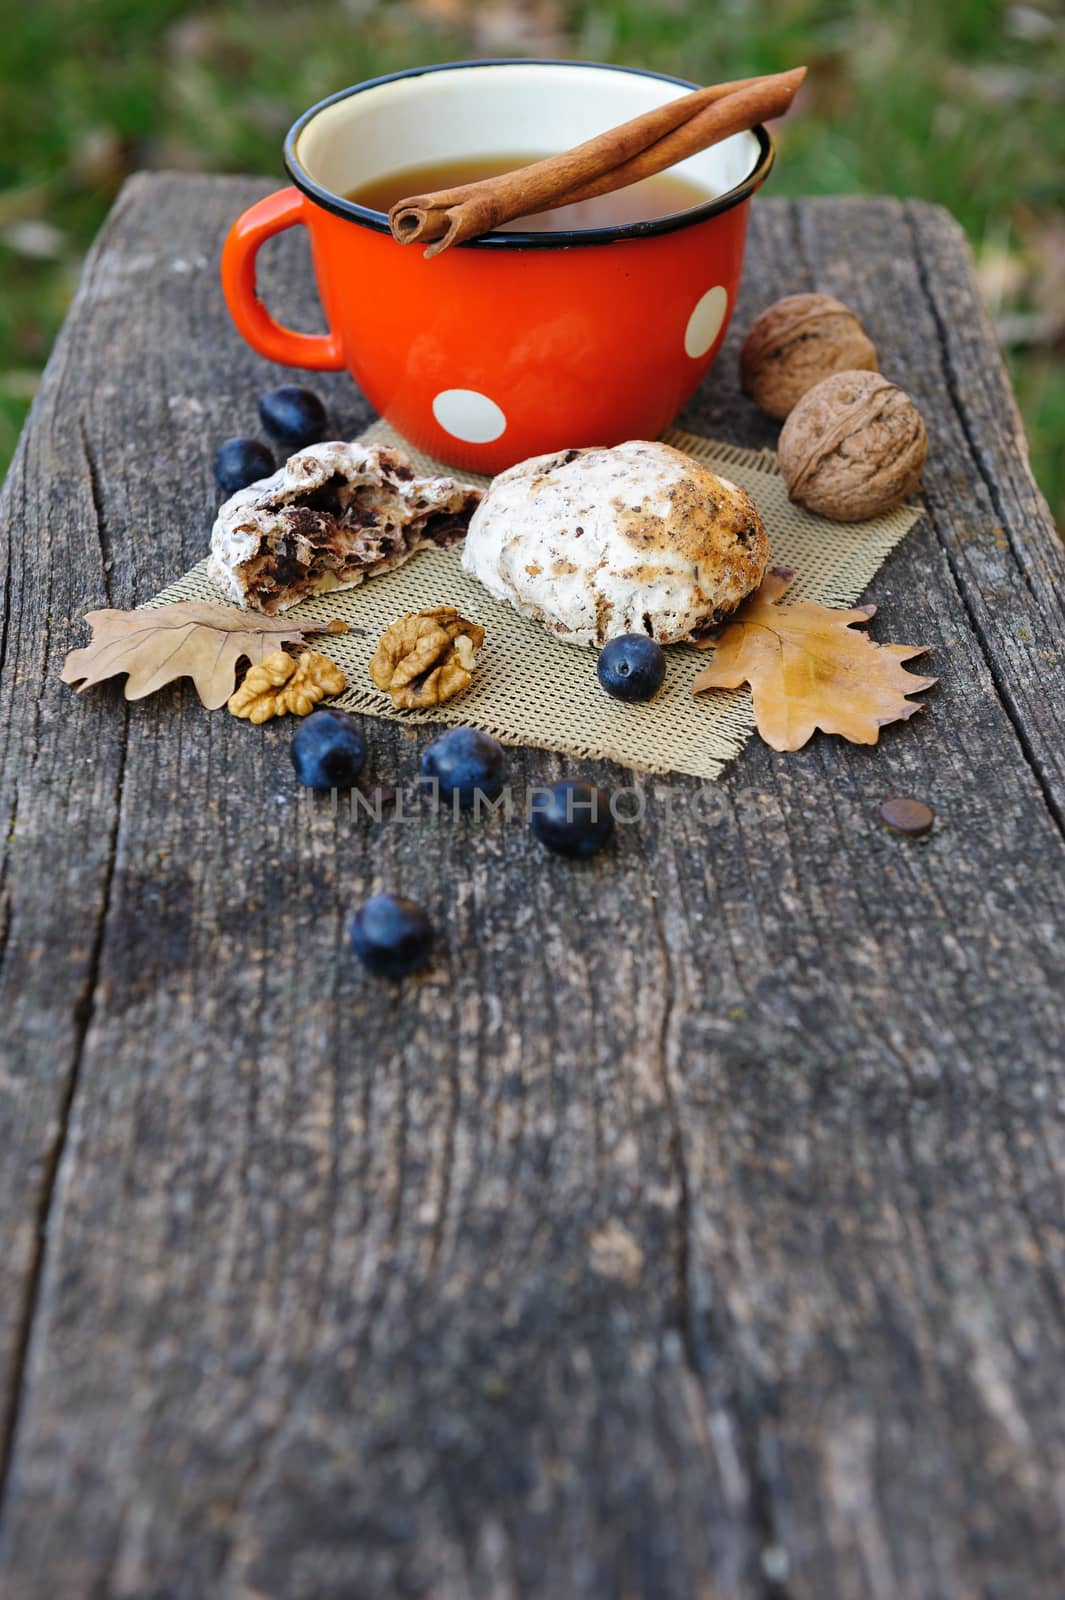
(533, 689)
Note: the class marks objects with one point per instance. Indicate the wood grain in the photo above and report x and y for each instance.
(694, 1229)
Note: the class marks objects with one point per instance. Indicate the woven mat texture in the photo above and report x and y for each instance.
(533, 689)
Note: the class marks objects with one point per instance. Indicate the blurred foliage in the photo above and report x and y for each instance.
(957, 101)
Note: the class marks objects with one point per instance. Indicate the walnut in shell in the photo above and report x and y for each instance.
(853, 447)
(426, 657)
(797, 342)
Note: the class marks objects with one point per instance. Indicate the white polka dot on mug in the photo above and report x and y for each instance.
(469, 415)
(704, 324)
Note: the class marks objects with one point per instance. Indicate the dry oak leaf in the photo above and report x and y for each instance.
(155, 645)
(426, 657)
(807, 669)
(281, 684)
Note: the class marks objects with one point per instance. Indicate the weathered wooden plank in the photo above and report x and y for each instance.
(59, 782)
(991, 520)
(888, 1285)
(693, 1230)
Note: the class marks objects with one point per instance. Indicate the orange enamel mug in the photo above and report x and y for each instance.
(515, 343)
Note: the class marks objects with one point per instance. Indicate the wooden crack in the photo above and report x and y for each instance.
(759, 1494)
(84, 1011)
(5, 611)
(99, 516)
(998, 677)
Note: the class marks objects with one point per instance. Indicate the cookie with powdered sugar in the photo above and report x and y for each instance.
(335, 514)
(639, 538)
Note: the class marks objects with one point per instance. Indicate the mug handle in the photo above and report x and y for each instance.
(319, 351)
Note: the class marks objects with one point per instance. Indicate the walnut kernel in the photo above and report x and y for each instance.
(426, 657)
(853, 447)
(797, 342)
(281, 684)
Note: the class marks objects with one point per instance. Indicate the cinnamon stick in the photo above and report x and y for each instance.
(636, 149)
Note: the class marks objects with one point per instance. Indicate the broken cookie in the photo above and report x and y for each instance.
(335, 514)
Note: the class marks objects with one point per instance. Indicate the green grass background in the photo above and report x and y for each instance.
(957, 101)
